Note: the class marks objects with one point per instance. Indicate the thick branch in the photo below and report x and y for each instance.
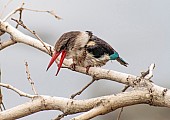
(6, 44)
(70, 106)
(94, 106)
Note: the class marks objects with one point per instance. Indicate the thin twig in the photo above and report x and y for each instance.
(13, 12)
(78, 93)
(21, 93)
(149, 73)
(0, 89)
(29, 79)
(2, 106)
(121, 110)
(150, 69)
(33, 32)
(125, 88)
(9, 15)
(20, 22)
(22, 8)
(20, 14)
(47, 11)
(59, 117)
(36, 35)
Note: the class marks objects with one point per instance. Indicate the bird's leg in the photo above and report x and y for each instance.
(87, 69)
(73, 65)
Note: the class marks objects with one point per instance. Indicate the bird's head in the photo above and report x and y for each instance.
(62, 46)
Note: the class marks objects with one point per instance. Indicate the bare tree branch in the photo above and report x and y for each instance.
(94, 106)
(150, 72)
(13, 12)
(20, 22)
(16, 90)
(2, 106)
(6, 44)
(0, 90)
(52, 12)
(21, 8)
(85, 87)
(103, 108)
(120, 113)
(29, 79)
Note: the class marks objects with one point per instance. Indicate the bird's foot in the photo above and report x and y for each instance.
(73, 66)
(87, 69)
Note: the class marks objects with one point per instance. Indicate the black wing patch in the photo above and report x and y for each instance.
(98, 47)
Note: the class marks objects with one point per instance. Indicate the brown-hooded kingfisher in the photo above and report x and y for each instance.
(85, 49)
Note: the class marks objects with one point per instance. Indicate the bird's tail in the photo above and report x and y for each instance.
(122, 62)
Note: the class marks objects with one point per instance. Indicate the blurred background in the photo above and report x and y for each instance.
(137, 29)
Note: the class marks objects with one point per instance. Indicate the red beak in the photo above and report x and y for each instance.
(63, 55)
(54, 57)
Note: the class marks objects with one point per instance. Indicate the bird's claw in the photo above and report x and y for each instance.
(73, 66)
(87, 69)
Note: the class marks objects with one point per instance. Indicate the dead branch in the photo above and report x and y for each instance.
(6, 44)
(85, 87)
(20, 22)
(21, 8)
(30, 79)
(91, 107)
(52, 12)
(16, 90)
(2, 106)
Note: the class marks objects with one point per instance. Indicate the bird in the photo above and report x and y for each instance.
(69, 45)
(85, 49)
